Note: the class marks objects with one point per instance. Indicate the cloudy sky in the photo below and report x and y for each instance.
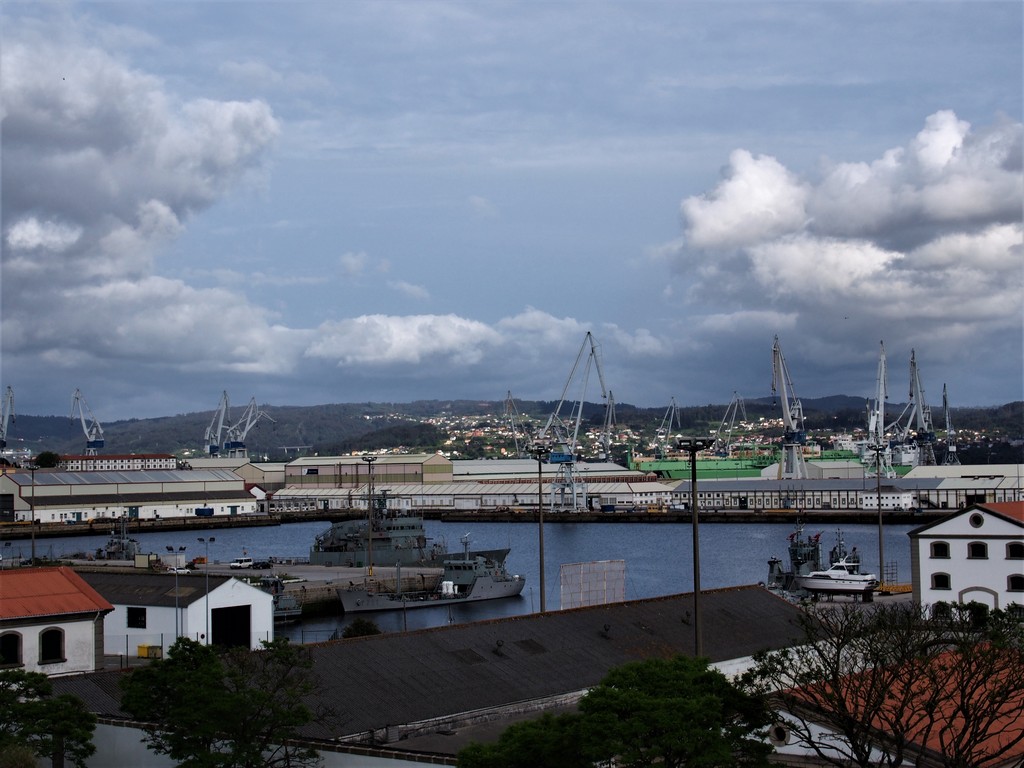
(322, 202)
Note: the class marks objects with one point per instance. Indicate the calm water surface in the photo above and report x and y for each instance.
(658, 558)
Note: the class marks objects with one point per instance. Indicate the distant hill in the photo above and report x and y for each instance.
(345, 427)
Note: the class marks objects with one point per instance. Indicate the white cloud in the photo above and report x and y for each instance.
(409, 289)
(30, 233)
(413, 339)
(353, 264)
(759, 199)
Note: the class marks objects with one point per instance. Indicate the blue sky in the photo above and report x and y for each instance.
(319, 202)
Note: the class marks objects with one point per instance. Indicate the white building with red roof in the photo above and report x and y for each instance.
(974, 555)
(51, 621)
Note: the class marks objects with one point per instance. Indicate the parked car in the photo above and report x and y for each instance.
(179, 570)
(240, 562)
(262, 565)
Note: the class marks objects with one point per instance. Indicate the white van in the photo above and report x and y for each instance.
(241, 562)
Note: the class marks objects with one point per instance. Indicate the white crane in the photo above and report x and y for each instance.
(877, 440)
(920, 421)
(6, 415)
(516, 426)
(213, 439)
(234, 445)
(723, 437)
(560, 435)
(664, 432)
(93, 431)
(950, 459)
(792, 465)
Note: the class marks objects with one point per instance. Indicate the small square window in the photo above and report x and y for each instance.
(136, 617)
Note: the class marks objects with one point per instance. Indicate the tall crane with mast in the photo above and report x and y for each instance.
(559, 437)
(234, 445)
(6, 415)
(663, 434)
(919, 425)
(213, 439)
(516, 427)
(93, 431)
(723, 437)
(877, 440)
(792, 465)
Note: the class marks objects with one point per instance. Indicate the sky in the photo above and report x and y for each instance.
(334, 202)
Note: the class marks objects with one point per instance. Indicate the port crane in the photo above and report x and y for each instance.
(950, 459)
(6, 415)
(723, 437)
(792, 465)
(877, 440)
(93, 431)
(912, 433)
(516, 427)
(663, 434)
(213, 439)
(559, 437)
(234, 445)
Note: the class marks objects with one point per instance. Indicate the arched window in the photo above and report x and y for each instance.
(1015, 583)
(10, 649)
(1015, 550)
(941, 581)
(977, 550)
(51, 646)
(940, 550)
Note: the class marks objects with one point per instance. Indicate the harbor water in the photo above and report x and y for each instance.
(658, 558)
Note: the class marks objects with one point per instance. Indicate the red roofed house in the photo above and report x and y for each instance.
(974, 555)
(51, 621)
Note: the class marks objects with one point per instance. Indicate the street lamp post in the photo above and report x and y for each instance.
(177, 611)
(369, 516)
(207, 541)
(32, 504)
(692, 446)
(541, 452)
(877, 448)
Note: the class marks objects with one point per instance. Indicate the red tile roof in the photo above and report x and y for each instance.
(1011, 509)
(33, 592)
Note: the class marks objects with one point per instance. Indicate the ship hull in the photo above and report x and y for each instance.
(484, 588)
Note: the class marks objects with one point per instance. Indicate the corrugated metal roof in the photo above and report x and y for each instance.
(399, 678)
(152, 589)
(126, 477)
(460, 489)
(37, 592)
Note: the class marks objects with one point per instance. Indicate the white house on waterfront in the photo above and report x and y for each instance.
(151, 610)
(974, 555)
(51, 621)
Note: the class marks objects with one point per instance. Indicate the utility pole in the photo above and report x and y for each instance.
(541, 452)
(693, 446)
(369, 517)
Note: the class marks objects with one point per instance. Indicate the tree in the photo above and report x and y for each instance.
(360, 628)
(47, 460)
(891, 684)
(33, 722)
(208, 707)
(671, 713)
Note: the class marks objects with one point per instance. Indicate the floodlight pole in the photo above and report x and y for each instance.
(692, 446)
(32, 522)
(541, 453)
(369, 517)
(207, 541)
(878, 448)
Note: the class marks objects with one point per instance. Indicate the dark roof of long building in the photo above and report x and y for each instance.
(388, 680)
(151, 589)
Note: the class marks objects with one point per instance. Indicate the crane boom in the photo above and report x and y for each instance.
(213, 437)
(93, 431)
(237, 432)
(723, 437)
(920, 423)
(792, 464)
(661, 436)
(877, 441)
(6, 415)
